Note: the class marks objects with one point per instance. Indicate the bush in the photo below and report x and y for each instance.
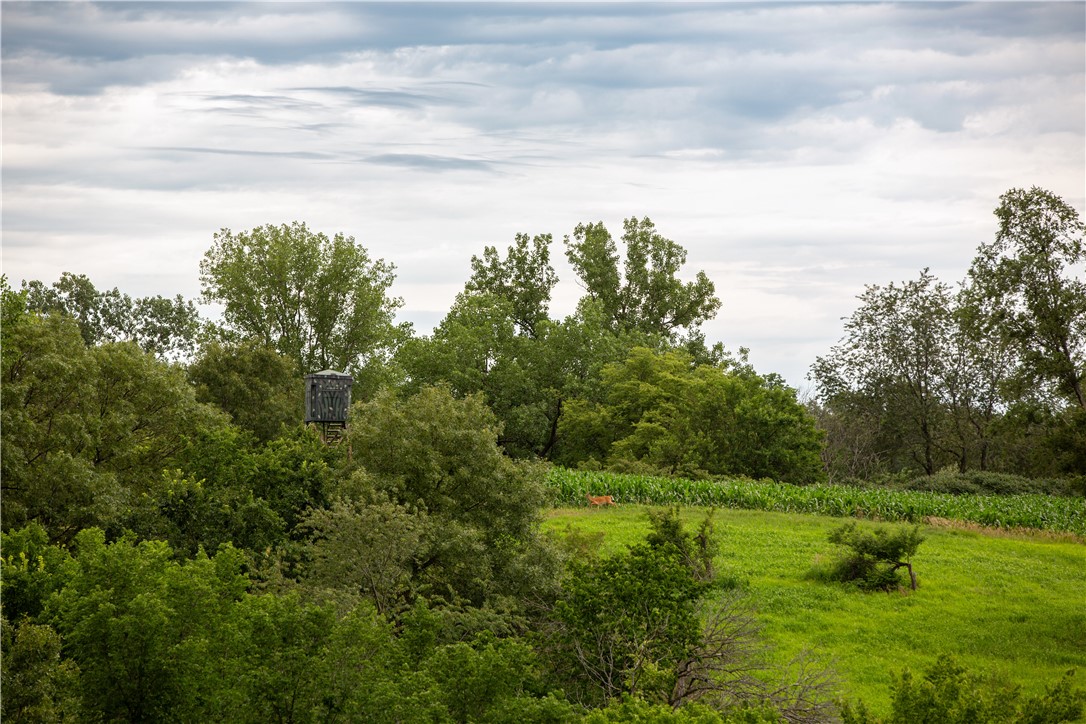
(950, 694)
(877, 554)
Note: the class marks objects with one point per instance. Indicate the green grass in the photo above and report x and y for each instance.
(1043, 512)
(1012, 604)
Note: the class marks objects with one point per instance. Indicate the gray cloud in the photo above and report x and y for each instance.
(797, 150)
(431, 163)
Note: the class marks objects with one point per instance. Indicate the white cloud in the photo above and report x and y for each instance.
(797, 151)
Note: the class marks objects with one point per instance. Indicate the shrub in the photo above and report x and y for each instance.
(950, 694)
(876, 555)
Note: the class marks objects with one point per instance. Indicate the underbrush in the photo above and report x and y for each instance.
(975, 482)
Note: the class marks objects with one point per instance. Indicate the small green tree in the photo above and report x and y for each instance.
(876, 554)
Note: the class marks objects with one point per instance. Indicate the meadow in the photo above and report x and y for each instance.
(1009, 603)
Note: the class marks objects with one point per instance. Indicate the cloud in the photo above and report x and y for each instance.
(797, 151)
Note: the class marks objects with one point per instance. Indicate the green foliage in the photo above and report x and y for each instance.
(192, 514)
(876, 555)
(164, 327)
(31, 570)
(697, 551)
(38, 684)
(294, 473)
(259, 388)
(320, 301)
(491, 680)
(632, 709)
(368, 549)
(950, 693)
(438, 454)
(623, 624)
(646, 295)
(136, 622)
(1043, 512)
(294, 661)
(663, 412)
(85, 428)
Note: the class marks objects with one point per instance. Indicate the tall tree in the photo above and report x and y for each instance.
(321, 301)
(646, 295)
(439, 454)
(895, 353)
(524, 278)
(1033, 276)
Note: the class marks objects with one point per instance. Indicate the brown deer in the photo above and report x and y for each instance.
(600, 500)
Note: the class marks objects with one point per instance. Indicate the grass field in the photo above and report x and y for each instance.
(1012, 603)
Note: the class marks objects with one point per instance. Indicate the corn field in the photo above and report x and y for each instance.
(1042, 512)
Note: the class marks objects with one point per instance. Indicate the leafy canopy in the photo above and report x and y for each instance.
(321, 301)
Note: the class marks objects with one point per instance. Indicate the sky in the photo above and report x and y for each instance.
(797, 151)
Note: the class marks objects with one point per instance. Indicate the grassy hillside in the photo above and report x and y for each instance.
(1013, 603)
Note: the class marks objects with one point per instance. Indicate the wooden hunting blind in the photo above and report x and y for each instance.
(328, 400)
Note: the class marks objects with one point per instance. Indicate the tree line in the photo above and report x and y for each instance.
(987, 376)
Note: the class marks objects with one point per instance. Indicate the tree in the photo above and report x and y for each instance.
(1032, 274)
(367, 549)
(140, 626)
(646, 295)
(662, 411)
(625, 622)
(896, 354)
(39, 685)
(259, 388)
(438, 454)
(48, 377)
(524, 278)
(85, 428)
(320, 301)
(164, 327)
(876, 554)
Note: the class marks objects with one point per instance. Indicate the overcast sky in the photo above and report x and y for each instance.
(797, 151)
